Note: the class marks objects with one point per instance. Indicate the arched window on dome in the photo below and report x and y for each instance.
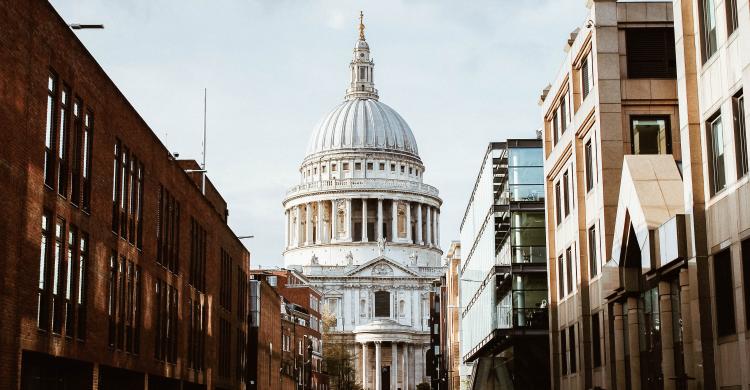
(382, 304)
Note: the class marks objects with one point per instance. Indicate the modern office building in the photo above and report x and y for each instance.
(118, 268)
(646, 160)
(451, 312)
(503, 275)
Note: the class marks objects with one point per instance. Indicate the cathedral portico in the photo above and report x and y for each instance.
(362, 226)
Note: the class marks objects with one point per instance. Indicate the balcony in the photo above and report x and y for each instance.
(362, 184)
(523, 318)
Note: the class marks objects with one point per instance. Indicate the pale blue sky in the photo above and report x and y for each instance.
(462, 74)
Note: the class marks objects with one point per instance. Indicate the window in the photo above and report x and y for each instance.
(127, 194)
(382, 304)
(558, 212)
(369, 166)
(225, 293)
(402, 169)
(323, 169)
(569, 270)
(333, 167)
(587, 77)
(650, 135)
(732, 17)
(271, 281)
(82, 293)
(560, 277)
(746, 278)
(240, 345)
(590, 166)
(393, 167)
(225, 340)
(168, 231)
(241, 294)
(57, 275)
(650, 53)
(563, 113)
(358, 166)
(563, 352)
(573, 346)
(717, 175)
(708, 28)
(593, 255)
(596, 342)
(197, 256)
(566, 193)
(88, 134)
(740, 133)
(112, 299)
(724, 294)
(381, 166)
(44, 255)
(71, 261)
(49, 132)
(165, 330)
(62, 146)
(75, 159)
(346, 166)
(555, 129)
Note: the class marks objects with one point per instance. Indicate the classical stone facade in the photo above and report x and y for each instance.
(364, 229)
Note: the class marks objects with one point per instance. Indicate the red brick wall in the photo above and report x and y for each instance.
(269, 339)
(35, 41)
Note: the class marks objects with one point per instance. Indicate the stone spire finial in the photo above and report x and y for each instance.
(361, 26)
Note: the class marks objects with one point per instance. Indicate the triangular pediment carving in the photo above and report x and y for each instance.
(382, 266)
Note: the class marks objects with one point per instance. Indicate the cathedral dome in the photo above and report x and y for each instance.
(362, 123)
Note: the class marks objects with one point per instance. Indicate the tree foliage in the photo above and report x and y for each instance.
(338, 361)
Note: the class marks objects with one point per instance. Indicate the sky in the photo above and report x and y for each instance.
(461, 73)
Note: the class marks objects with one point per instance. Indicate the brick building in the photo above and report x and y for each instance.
(115, 265)
(302, 347)
(264, 338)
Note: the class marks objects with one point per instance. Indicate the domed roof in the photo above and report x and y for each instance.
(362, 123)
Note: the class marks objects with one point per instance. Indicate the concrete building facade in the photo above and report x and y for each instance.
(115, 261)
(646, 161)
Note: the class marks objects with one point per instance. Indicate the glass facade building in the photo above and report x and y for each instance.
(503, 282)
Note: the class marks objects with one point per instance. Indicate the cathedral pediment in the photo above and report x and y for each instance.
(382, 267)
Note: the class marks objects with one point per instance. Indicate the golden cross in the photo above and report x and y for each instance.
(361, 26)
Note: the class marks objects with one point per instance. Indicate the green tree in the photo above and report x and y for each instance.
(339, 363)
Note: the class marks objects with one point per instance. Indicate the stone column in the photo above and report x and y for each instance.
(349, 235)
(418, 364)
(394, 366)
(334, 222)
(687, 327)
(286, 229)
(298, 227)
(379, 229)
(420, 239)
(619, 346)
(667, 339)
(378, 363)
(365, 363)
(634, 341)
(364, 220)
(405, 374)
(319, 226)
(437, 227)
(308, 224)
(408, 222)
(428, 240)
(394, 220)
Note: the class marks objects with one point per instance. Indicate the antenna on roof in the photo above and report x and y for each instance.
(203, 165)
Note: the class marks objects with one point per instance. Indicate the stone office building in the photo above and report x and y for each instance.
(115, 264)
(646, 160)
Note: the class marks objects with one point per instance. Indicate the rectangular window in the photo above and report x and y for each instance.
(393, 167)
(49, 132)
(333, 167)
(555, 129)
(197, 256)
(740, 133)
(116, 189)
(732, 16)
(165, 308)
(346, 166)
(650, 135)
(196, 333)
(88, 136)
(590, 166)
(381, 166)
(112, 299)
(585, 77)
(723, 284)
(708, 28)
(558, 210)
(225, 294)
(83, 260)
(569, 270)
(596, 342)
(225, 336)
(650, 53)
(77, 153)
(168, 231)
(358, 166)
(573, 346)
(44, 255)
(369, 166)
(563, 352)
(57, 276)
(746, 278)
(241, 294)
(560, 277)
(239, 363)
(717, 176)
(563, 114)
(71, 261)
(62, 146)
(566, 193)
(593, 255)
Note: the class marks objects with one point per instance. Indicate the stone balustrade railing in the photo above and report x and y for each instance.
(360, 184)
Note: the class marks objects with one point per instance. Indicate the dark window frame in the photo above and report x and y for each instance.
(740, 134)
(715, 185)
(724, 293)
(590, 165)
(709, 44)
(732, 16)
(667, 129)
(650, 53)
(382, 304)
(593, 251)
(596, 342)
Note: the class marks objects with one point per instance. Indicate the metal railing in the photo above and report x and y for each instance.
(374, 184)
